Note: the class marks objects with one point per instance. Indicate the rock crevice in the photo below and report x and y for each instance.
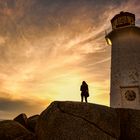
(88, 121)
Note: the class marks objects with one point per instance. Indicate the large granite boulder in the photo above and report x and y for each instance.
(32, 121)
(78, 121)
(22, 119)
(12, 130)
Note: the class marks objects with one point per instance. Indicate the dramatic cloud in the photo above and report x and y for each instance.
(47, 47)
(10, 107)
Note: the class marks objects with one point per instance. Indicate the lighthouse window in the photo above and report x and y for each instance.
(130, 95)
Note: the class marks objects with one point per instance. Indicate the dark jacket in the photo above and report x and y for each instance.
(84, 90)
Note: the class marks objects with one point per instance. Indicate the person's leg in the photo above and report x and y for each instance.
(86, 99)
(81, 98)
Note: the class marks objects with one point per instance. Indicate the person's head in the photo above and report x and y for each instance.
(83, 83)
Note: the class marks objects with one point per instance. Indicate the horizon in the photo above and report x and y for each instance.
(49, 47)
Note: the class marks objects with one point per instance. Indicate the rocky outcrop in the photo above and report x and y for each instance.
(32, 121)
(12, 130)
(78, 121)
(75, 121)
(29, 123)
(82, 121)
(22, 119)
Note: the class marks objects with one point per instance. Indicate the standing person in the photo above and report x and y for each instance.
(84, 91)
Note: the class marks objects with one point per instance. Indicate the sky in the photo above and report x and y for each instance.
(48, 47)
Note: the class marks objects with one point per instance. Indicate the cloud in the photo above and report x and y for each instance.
(18, 105)
(13, 107)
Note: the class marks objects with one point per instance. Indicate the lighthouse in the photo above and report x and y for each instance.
(125, 61)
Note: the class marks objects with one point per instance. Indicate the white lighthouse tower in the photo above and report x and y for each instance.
(125, 62)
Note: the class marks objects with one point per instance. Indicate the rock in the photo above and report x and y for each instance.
(78, 121)
(22, 119)
(32, 121)
(12, 130)
(129, 124)
(26, 137)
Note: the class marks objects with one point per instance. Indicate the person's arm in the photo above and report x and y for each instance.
(87, 88)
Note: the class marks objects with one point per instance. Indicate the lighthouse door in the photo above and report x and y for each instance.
(130, 97)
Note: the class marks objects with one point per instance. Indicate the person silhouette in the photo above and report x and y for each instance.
(84, 91)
